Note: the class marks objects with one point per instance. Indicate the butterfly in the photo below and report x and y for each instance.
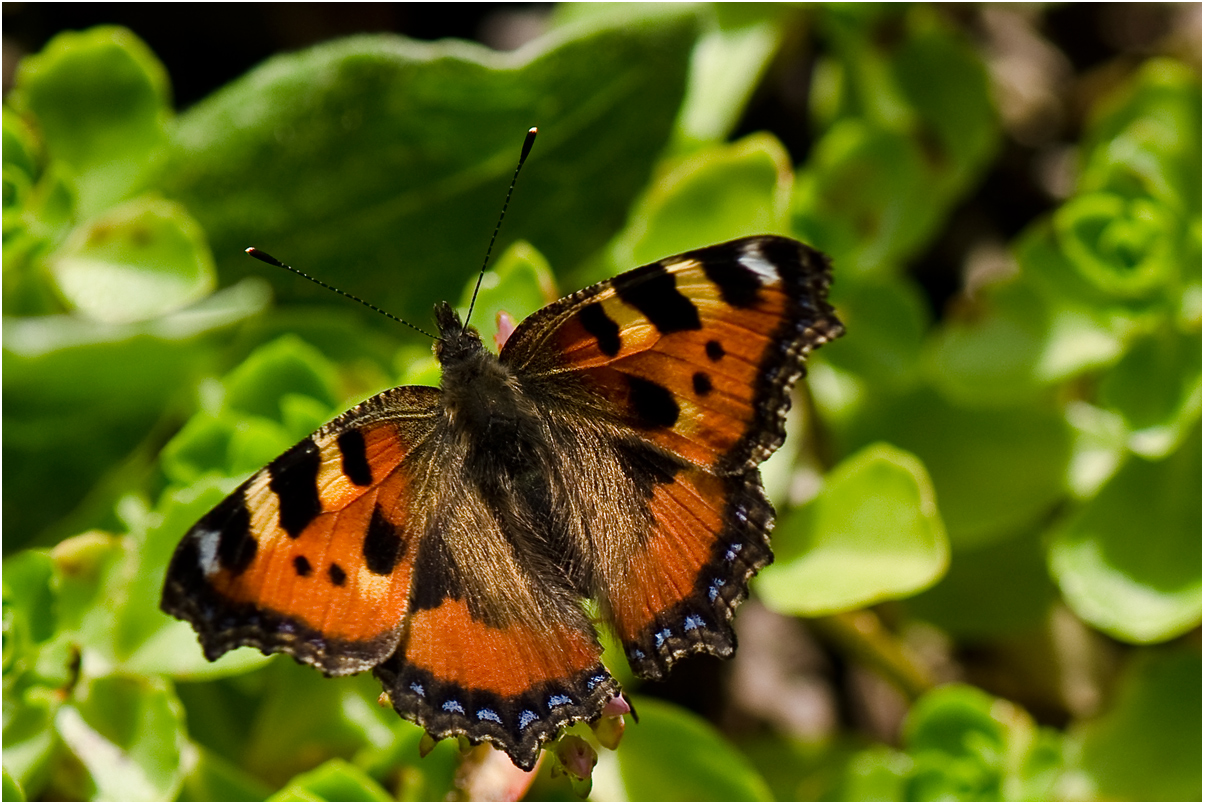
(448, 539)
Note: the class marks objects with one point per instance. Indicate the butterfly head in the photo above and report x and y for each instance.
(456, 340)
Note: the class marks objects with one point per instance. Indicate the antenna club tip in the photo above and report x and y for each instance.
(527, 143)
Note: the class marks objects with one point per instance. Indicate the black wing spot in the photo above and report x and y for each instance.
(738, 285)
(715, 350)
(236, 546)
(355, 457)
(436, 576)
(294, 478)
(338, 577)
(383, 545)
(602, 327)
(302, 566)
(657, 297)
(654, 403)
(702, 383)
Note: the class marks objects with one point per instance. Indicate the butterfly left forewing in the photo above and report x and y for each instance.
(689, 362)
(313, 555)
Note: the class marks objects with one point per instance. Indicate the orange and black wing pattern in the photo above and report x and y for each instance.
(688, 363)
(314, 555)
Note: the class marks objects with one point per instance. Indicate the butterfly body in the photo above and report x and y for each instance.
(447, 538)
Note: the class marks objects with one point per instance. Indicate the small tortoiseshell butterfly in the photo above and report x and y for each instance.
(448, 538)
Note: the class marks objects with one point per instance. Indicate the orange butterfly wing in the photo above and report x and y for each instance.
(314, 554)
(690, 361)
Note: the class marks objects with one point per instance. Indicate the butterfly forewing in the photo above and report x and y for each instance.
(313, 555)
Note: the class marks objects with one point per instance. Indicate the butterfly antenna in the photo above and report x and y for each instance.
(527, 143)
(272, 261)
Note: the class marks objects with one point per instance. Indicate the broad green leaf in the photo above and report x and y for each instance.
(100, 99)
(1129, 560)
(673, 754)
(873, 534)
(1013, 477)
(333, 781)
(143, 259)
(380, 163)
(885, 322)
(1017, 347)
(1147, 744)
(713, 195)
(946, 82)
(999, 589)
(70, 382)
(129, 734)
(12, 789)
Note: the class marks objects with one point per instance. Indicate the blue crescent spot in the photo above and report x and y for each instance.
(637, 654)
(453, 706)
(595, 681)
(488, 715)
(714, 589)
(417, 688)
(559, 700)
(693, 622)
(525, 718)
(662, 636)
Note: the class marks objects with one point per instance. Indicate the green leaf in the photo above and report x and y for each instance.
(885, 322)
(1125, 248)
(967, 745)
(70, 382)
(285, 366)
(379, 163)
(519, 283)
(727, 64)
(998, 589)
(854, 198)
(1156, 388)
(334, 781)
(129, 734)
(1147, 745)
(672, 754)
(713, 195)
(143, 259)
(215, 779)
(1016, 347)
(873, 534)
(1013, 477)
(1146, 138)
(12, 789)
(1129, 561)
(100, 98)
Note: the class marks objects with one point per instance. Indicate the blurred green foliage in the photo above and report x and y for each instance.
(1034, 451)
